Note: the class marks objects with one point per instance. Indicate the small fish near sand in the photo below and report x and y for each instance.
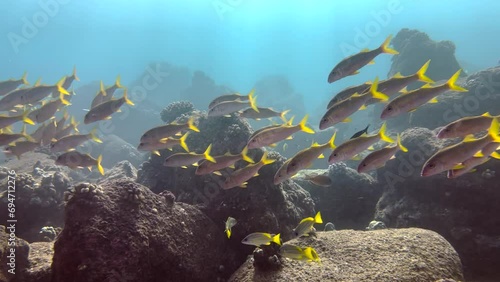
(75, 159)
(230, 222)
(258, 239)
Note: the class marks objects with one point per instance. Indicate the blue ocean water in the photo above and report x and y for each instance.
(236, 42)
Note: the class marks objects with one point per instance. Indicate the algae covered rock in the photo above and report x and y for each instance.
(381, 255)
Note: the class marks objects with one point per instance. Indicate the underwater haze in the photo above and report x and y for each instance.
(236, 42)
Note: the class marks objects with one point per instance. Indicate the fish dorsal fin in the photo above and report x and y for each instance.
(398, 75)
(428, 85)
(364, 50)
(469, 138)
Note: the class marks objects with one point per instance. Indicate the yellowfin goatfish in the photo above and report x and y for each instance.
(222, 162)
(7, 138)
(351, 65)
(258, 239)
(230, 222)
(348, 92)
(164, 131)
(289, 123)
(12, 84)
(48, 110)
(69, 142)
(185, 159)
(75, 159)
(166, 143)
(357, 145)
(281, 174)
(471, 163)
(305, 226)
(21, 147)
(341, 111)
(398, 82)
(8, 120)
(378, 158)
(240, 176)
(319, 179)
(106, 109)
(447, 158)
(228, 107)
(466, 126)
(297, 253)
(263, 113)
(275, 134)
(38, 93)
(306, 157)
(410, 101)
(230, 97)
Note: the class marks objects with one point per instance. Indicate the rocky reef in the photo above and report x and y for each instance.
(382, 255)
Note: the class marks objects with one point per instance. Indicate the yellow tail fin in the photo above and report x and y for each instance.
(24, 80)
(375, 93)
(25, 135)
(191, 124)
(495, 155)
(8, 129)
(63, 101)
(494, 130)
(385, 46)
(74, 124)
(332, 140)
(126, 98)
(453, 80)
(99, 166)
(317, 218)
(421, 73)
(93, 135)
(207, 154)
(228, 233)
(74, 74)
(265, 161)
(182, 142)
(403, 148)
(244, 155)
(26, 119)
(303, 126)
(382, 135)
(276, 239)
(252, 99)
(283, 114)
(60, 88)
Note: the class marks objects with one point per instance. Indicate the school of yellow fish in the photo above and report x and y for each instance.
(39, 103)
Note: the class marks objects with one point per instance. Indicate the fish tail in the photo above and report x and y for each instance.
(207, 154)
(25, 135)
(117, 82)
(8, 129)
(265, 161)
(382, 135)
(332, 140)
(375, 93)
(252, 100)
(304, 127)
(99, 166)
(93, 135)
(276, 239)
(26, 119)
(74, 74)
(64, 101)
(495, 155)
(74, 124)
(494, 130)
(317, 218)
(126, 98)
(228, 233)
(421, 73)
(65, 114)
(403, 148)
(283, 114)
(244, 155)
(453, 80)
(191, 124)
(23, 78)
(385, 46)
(60, 88)
(182, 141)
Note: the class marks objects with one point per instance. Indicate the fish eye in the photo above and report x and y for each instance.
(431, 165)
(364, 164)
(325, 120)
(335, 154)
(292, 164)
(389, 108)
(253, 140)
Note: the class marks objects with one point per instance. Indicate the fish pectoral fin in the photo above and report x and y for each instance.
(217, 173)
(232, 166)
(347, 120)
(157, 153)
(243, 185)
(273, 145)
(458, 166)
(371, 148)
(89, 168)
(412, 110)
(196, 164)
(289, 137)
(226, 115)
(184, 167)
(354, 73)
(256, 174)
(356, 158)
(106, 118)
(321, 156)
(178, 134)
(119, 111)
(433, 101)
(392, 157)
